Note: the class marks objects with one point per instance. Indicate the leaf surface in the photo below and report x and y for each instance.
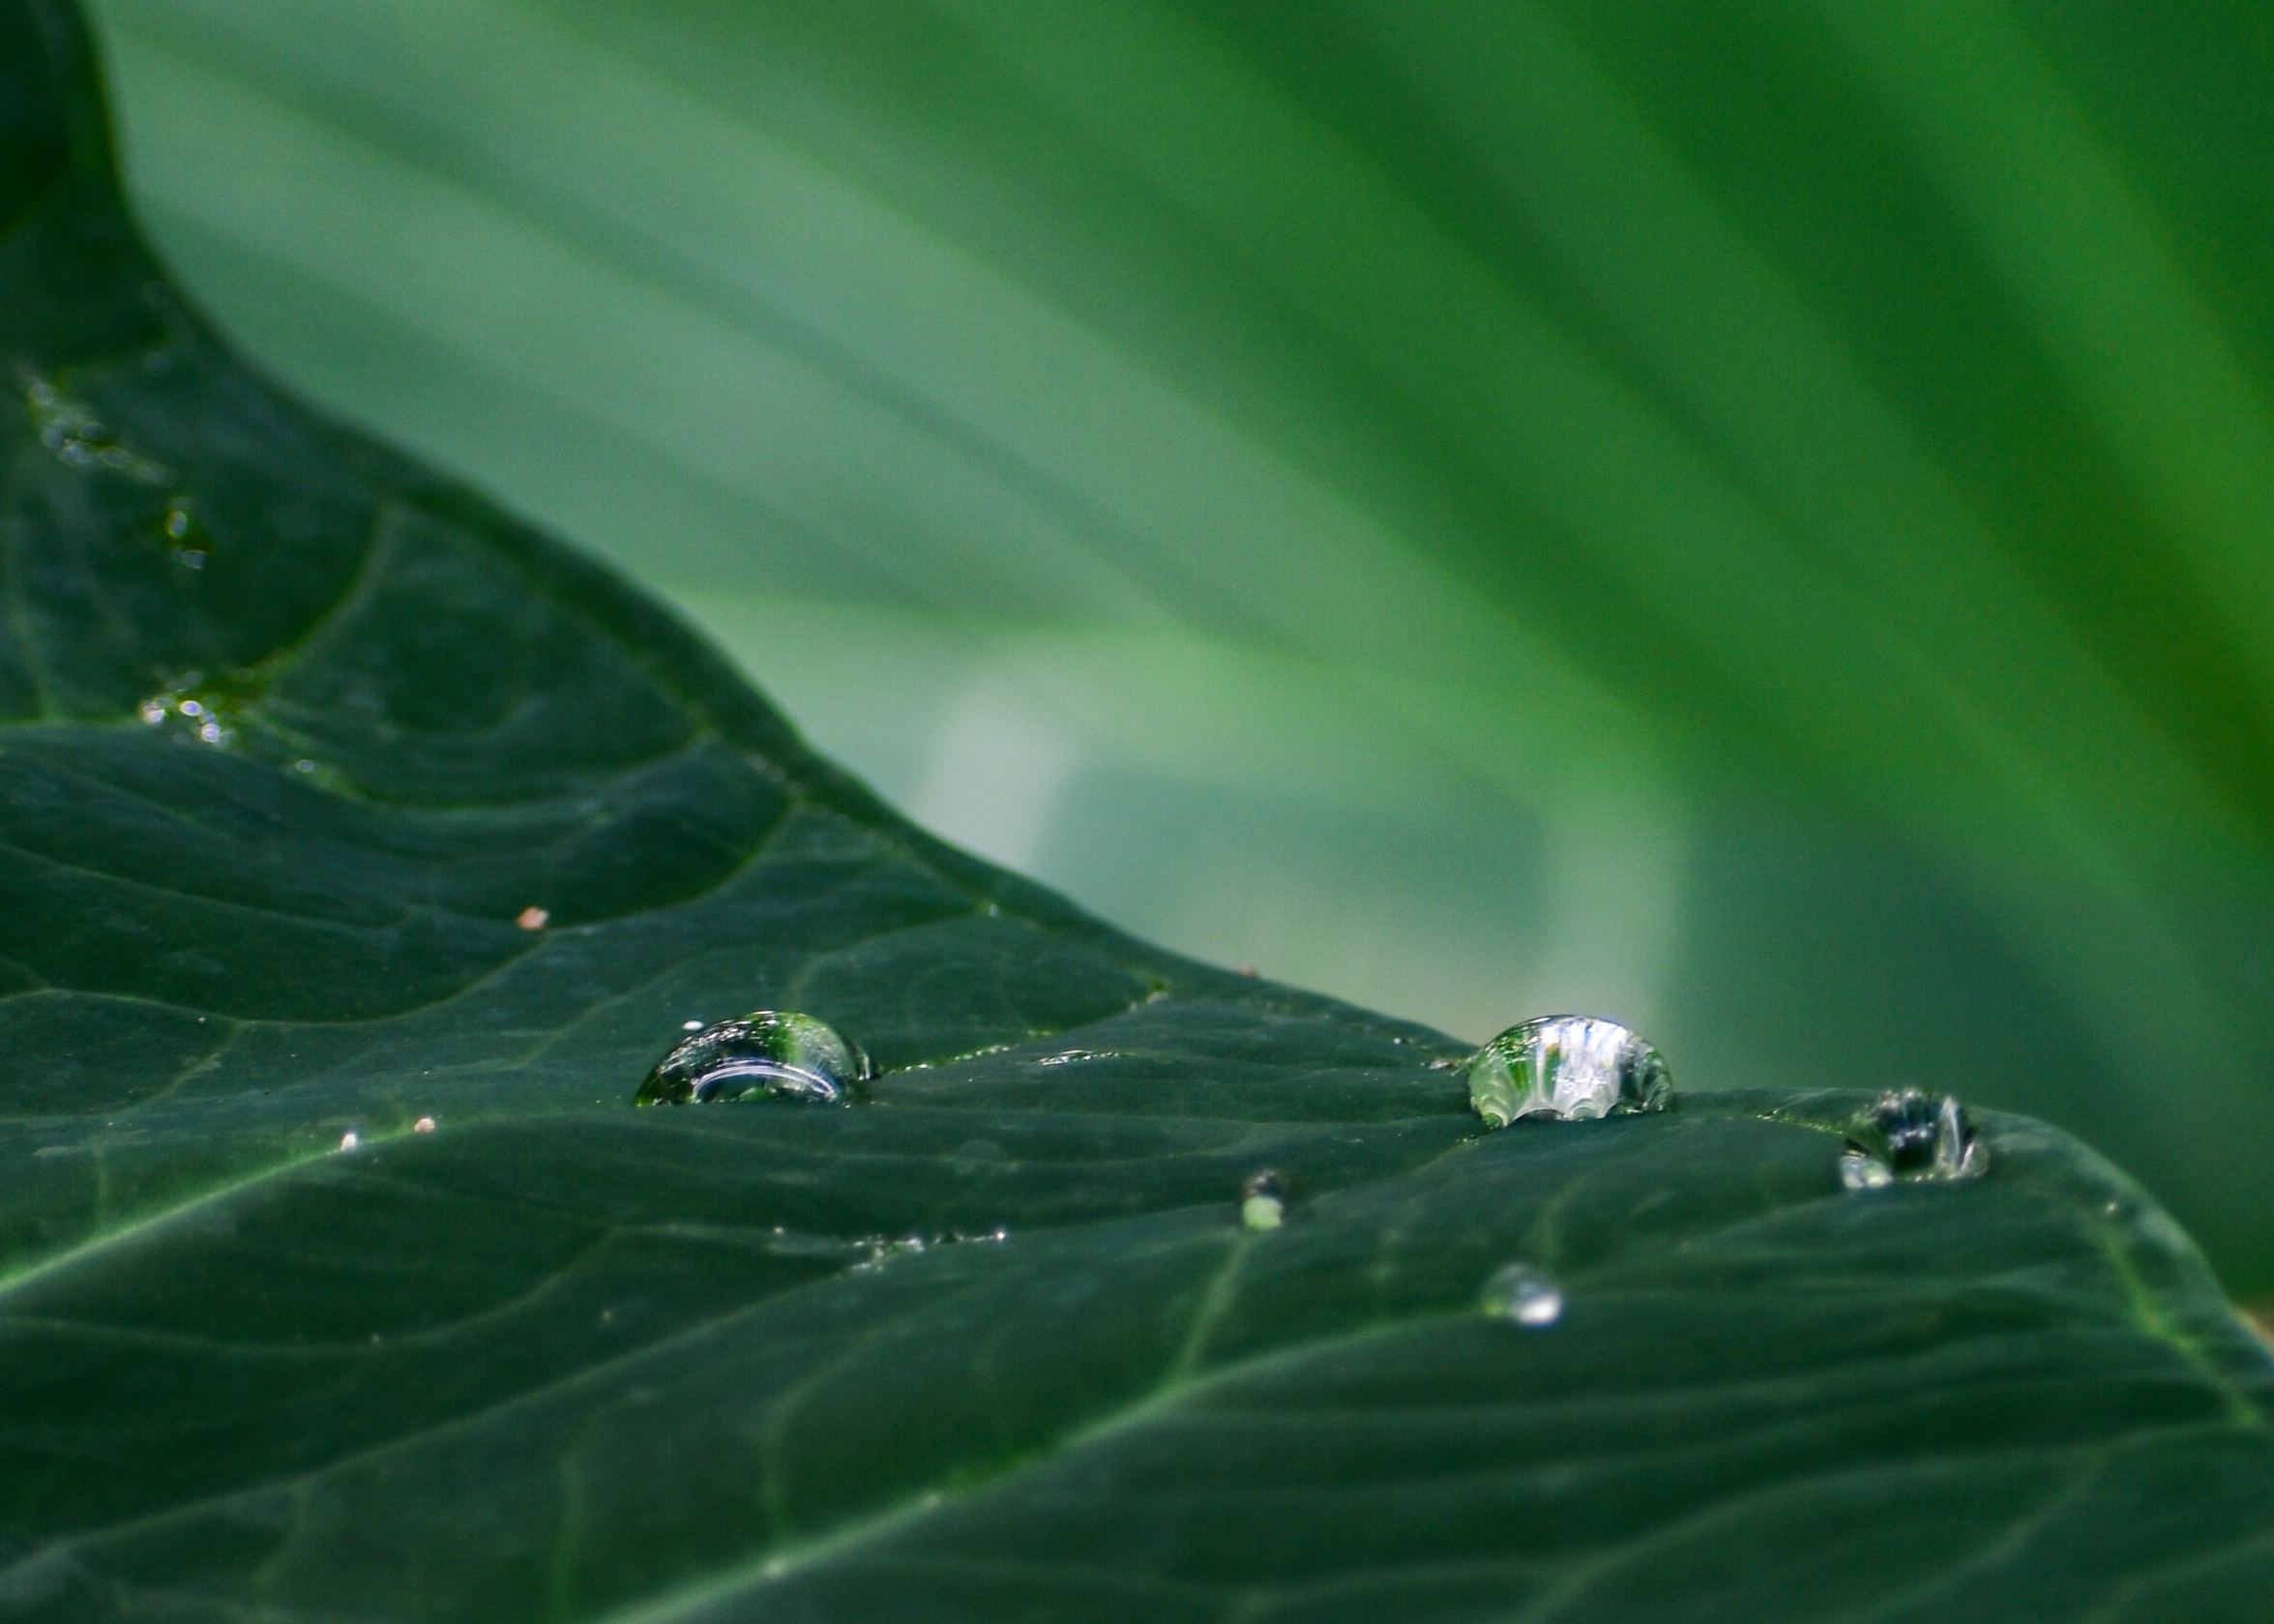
(300, 742)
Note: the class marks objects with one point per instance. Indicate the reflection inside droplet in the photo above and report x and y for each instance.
(1911, 1134)
(1566, 1066)
(1522, 1294)
(1263, 1200)
(775, 1054)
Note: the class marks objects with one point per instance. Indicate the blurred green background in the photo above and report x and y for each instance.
(1753, 519)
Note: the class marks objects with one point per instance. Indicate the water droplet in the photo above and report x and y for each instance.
(350, 1141)
(177, 520)
(303, 765)
(424, 1125)
(1909, 1134)
(767, 1054)
(78, 438)
(532, 918)
(1572, 1068)
(1523, 1294)
(211, 710)
(1263, 1200)
(694, 1025)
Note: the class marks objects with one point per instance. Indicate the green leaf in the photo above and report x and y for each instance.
(297, 735)
(1743, 515)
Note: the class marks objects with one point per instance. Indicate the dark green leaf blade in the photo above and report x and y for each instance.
(295, 734)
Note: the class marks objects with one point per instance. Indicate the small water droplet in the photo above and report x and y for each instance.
(1911, 1134)
(189, 557)
(350, 1141)
(303, 765)
(177, 519)
(1572, 1068)
(1263, 1200)
(694, 1025)
(532, 918)
(1523, 1294)
(79, 439)
(210, 710)
(424, 1125)
(766, 1054)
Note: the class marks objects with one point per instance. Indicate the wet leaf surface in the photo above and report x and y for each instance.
(277, 826)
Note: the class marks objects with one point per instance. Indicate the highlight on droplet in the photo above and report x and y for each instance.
(1524, 1295)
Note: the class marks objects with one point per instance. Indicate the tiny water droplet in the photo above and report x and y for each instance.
(1522, 1294)
(177, 520)
(694, 1025)
(79, 439)
(771, 1054)
(424, 1125)
(1910, 1134)
(1263, 1200)
(303, 765)
(532, 918)
(208, 711)
(349, 1141)
(1571, 1067)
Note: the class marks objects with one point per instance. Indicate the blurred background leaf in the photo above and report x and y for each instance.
(1758, 519)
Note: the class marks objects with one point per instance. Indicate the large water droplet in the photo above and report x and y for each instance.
(1263, 1200)
(1523, 1294)
(773, 1055)
(1569, 1067)
(1909, 1134)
